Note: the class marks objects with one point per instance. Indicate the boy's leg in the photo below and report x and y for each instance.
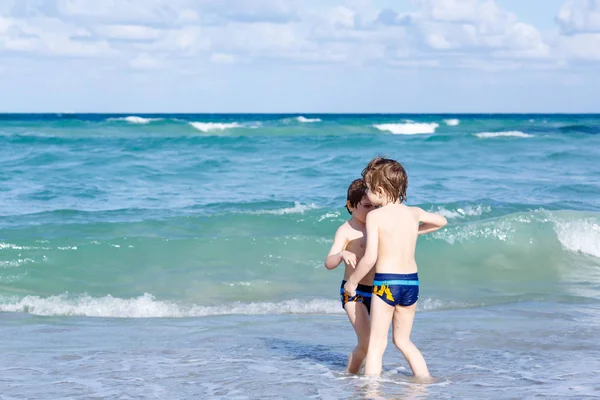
(381, 317)
(402, 327)
(359, 318)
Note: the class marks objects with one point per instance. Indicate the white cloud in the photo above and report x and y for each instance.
(582, 47)
(145, 62)
(113, 10)
(415, 64)
(222, 58)
(342, 17)
(438, 41)
(523, 41)
(48, 37)
(483, 12)
(187, 41)
(163, 13)
(257, 39)
(490, 65)
(180, 12)
(579, 16)
(579, 21)
(476, 27)
(435, 34)
(6, 7)
(128, 32)
(249, 11)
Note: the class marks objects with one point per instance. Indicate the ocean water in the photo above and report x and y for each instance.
(181, 256)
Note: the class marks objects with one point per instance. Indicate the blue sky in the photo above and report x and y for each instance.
(299, 56)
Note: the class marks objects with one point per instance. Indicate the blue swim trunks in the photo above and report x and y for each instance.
(363, 295)
(397, 289)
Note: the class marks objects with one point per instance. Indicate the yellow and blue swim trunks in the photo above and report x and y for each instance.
(397, 289)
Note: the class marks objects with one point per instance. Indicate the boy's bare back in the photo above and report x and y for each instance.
(397, 227)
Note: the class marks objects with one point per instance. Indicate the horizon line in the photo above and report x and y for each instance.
(132, 113)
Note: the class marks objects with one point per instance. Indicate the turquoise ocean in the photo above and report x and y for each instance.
(181, 256)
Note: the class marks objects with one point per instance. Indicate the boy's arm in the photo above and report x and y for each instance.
(335, 256)
(367, 262)
(430, 222)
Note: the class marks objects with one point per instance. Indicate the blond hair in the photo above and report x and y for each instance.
(388, 174)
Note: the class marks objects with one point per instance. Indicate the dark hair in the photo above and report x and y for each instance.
(388, 174)
(356, 191)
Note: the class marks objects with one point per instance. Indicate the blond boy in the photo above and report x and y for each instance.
(392, 231)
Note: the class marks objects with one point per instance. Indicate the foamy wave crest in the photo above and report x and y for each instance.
(452, 122)
(147, 307)
(214, 126)
(329, 215)
(503, 229)
(135, 120)
(575, 233)
(408, 128)
(298, 208)
(581, 236)
(304, 119)
(488, 135)
(17, 247)
(468, 211)
(15, 263)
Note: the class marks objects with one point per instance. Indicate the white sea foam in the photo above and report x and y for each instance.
(15, 246)
(240, 284)
(502, 229)
(298, 208)
(135, 120)
(15, 263)
(330, 215)
(147, 307)
(489, 135)
(304, 119)
(408, 128)
(452, 122)
(580, 235)
(214, 126)
(461, 212)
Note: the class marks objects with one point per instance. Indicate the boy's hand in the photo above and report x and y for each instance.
(349, 258)
(350, 288)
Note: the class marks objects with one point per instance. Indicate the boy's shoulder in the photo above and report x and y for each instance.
(350, 228)
(414, 209)
(344, 228)
(384, 212)
(377, 215)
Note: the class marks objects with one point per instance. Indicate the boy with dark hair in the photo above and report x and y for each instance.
(349, 246)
